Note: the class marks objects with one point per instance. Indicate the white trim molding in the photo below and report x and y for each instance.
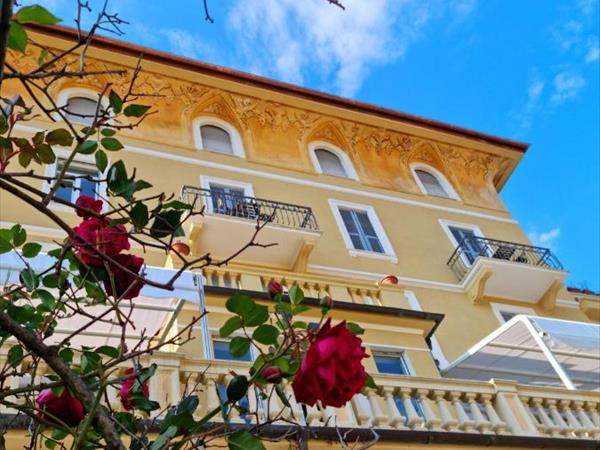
(237, 145)
(497, 308)
(388, 254)
(341, 154)
(439, 176)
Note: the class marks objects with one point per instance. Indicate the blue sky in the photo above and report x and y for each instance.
(527, 70)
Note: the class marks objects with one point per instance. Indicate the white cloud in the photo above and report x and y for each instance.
(593, 53)
(525, 116)
(291, 39)
(545, 239)
(186, 44)
(567, 85)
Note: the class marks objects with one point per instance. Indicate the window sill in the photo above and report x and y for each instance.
(374, 255)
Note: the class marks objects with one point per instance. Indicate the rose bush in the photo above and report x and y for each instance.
(126, 285)
(331, 371)
(86, 202)
(126, 392)
(65, 407)
(97, 233)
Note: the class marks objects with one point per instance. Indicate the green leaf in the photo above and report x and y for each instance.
(108, 132)
(257, 316)
(239, 346)
(163, 440)
(19, 235)
(45, 153)
(166, 223)
(115, 102)
(189, 404)
(17, 37)
(36, 14)
(117, 173)
(300, 309)
(281, 394)
(109, 351)
(370, 383)
(66, 354)
(60, 136)
(135, 110)
(244, 440)
(139, 215)
(31, 249)
(3, 125)
(296, 295)
(237, 389)
(15, 355)
(300, 324)
(176, 204)
(45, 297)
(111, 144)
(5, 246)
(266, 334)
(354, 328)
(101, 160)
(232, 324)
(240, 304)
(29, 279)
(87, 147)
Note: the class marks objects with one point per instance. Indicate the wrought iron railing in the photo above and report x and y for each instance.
(472, 247)
(250, 208)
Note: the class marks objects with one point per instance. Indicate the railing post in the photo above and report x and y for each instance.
(498, 425)
(511, 409)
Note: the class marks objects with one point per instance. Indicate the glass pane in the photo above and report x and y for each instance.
(330, 163)
(349, 221)
(507, 315)
(390, 364)
(468, 241)
(65, 191)
(221, 349)
(216, 139)
(87, 187)
(81, 110)
(370, 236)
(431, 184)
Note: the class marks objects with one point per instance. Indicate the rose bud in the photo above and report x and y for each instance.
(66, 408)
(272, 374)
(326, 303)
(274, 289)
(331, 371)
(126, 390)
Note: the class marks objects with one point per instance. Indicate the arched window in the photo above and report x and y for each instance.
(330, 163)
(331, 160)
(216, 139)
(81, 109)
(216, 135)
(433, 183)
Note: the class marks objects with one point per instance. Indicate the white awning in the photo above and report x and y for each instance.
(535, 350)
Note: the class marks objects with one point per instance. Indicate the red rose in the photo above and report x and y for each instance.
(83, 201)
(274, 288)
(95, 232)
(127, 285)
(272, 374)
(331, 370)
(67, 408)
(126, 390)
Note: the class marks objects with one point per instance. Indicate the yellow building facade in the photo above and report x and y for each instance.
(396, 217)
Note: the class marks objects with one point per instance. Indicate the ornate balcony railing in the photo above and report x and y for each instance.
(472, 247)
(250, 208)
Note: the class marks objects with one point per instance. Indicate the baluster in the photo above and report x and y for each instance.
(431, 420)
(481, 423)
(592, 408)
(255, 405)
(275, 407)
(362, 414)
(464, 423)
(329, 417)
(314, 415)
(449, 423)
(414, 420)
(498, 425)
(396, 419)
(571, 420)
(234, 414)
(379, 418)
(583, 418)
(557, 418)
(212, 398)
(295, 412)
(547, 426)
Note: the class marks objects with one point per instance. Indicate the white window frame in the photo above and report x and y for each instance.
(446, 224)
(342, 156)
(498, 308)
(50, 171)
(446, 186)
(67, 93)
(393, 349)
(205, 182)
(237, 145)
(388, 254)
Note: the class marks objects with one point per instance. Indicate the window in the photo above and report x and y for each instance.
(221, 351)
(431, 182)
(330, 163)
(227, 200)
(81, 110)
(390, 362)
(70, 189)
(506, 312)
(216, 139)
(467, 240)
(361, 230)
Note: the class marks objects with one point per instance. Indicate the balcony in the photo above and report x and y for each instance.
(229, 221)
(490, 268)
